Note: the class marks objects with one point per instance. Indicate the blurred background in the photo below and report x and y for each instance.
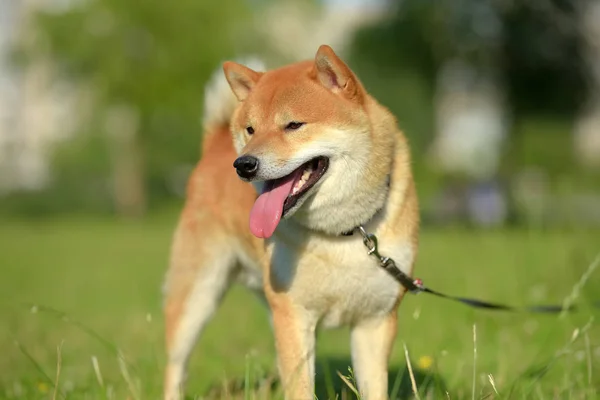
(100, 100)
(100, 125)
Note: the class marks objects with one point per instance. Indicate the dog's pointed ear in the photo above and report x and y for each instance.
(241, 78)
(335, 75)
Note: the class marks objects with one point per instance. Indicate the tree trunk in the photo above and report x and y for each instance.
(129, 192)
(587, 125)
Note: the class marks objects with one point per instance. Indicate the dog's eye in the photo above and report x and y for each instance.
(292, 126)
(250, 130)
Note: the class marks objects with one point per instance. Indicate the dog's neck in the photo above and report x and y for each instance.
(377, 212)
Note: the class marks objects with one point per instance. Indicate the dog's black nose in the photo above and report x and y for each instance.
(246, 166)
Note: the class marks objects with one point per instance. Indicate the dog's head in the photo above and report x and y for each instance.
(304, 138)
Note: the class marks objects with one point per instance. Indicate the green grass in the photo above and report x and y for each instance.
(106, 277)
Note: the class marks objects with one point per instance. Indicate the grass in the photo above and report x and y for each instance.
(80, 310)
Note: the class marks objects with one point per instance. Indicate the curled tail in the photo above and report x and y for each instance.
(219, 100)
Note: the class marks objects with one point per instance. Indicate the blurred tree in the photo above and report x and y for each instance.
(144, 64)
(530, 49)
(541, 56)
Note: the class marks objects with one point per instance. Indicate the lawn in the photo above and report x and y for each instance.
(92, 288)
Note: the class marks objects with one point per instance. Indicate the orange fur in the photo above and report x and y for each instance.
(308, 274)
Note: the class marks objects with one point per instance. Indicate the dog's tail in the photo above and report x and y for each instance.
(219, 100)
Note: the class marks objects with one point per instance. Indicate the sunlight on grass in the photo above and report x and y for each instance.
(95, 290)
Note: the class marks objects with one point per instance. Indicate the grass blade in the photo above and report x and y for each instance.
(474, 361)
(247, 379)
(350, 385)
(413, 382)
(58, 364)
(37, 365)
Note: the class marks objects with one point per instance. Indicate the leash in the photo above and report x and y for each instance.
(416, 286)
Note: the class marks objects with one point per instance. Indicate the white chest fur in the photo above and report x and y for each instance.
(335, 279)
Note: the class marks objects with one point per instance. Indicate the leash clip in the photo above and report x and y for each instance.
(370, 242)
(414, 286)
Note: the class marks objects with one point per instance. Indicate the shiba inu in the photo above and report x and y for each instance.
(322, 157)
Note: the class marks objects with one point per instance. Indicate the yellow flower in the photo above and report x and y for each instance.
(42, 387)
(425, 362)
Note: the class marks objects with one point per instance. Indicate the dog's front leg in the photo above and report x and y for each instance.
(372, 343)
(294, 331)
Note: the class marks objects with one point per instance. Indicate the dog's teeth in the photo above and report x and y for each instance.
(303, 179)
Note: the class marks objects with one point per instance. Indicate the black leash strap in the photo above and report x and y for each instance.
(416, 285)
(542, 309)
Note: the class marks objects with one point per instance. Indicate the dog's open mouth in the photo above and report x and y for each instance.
(281, 195)
(312, 171)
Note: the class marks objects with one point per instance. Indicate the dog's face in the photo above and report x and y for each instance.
(303, 138)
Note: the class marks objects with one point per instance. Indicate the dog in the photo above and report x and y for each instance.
(294, 160)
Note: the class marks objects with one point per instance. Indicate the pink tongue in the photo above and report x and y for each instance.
(267, 210)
